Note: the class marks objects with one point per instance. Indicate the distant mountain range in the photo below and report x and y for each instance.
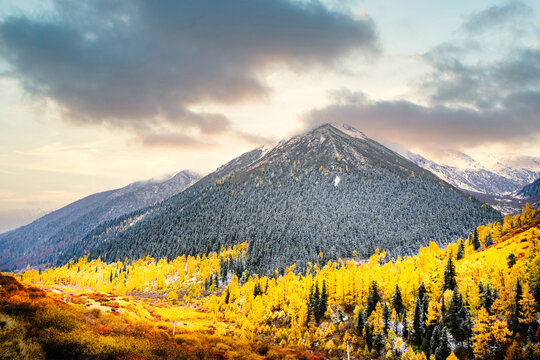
(330, 190)
(45, 239)
(499, 186)
(532, 190)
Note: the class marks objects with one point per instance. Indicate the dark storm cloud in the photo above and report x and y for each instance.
(473, 98)
(124, 62)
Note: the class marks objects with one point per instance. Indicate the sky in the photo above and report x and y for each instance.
(95, 95)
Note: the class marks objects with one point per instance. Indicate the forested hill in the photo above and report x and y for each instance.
(329, 190)
(44, 239)
(532, 190)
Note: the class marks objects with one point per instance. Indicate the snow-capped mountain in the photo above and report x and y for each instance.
(475, 177)
(496, 184)
(531, 190)
(330, 189)
(38, 241)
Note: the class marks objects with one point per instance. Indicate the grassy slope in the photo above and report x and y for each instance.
(35, 325)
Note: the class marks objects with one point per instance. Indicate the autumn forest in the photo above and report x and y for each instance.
(474, 298)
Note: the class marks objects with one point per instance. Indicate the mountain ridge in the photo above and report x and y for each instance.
(289, 205)
(36, 242)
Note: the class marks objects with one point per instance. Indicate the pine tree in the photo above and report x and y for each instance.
(456, 318)
(386, 318)
(417, 326)
(514, 324)
(310, 304)
(488, 241)
(460, 251)
(443, 350)
(476, 240)
(257, 290)
(511, 260)
(359, 325)
(419, 329)
(373, 298)
(449, 281)
(227, 296)
(369, 336)
(435, 337)
(405, 332)
(322, 303)
(378, 342)
(488, 295)
(397, 301)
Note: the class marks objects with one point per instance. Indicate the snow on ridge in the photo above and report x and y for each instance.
(349, 130)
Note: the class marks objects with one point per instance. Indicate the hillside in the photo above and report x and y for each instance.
(477, 297)
(531, 190)
(326, 190)
(35, 324)
(39, 242)
(497, 185)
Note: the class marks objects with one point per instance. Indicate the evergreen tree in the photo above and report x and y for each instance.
(460, 251)
(373, 298)
(386, 318)
(514, 324)
(419, 329)
(488, 295)
(449, 281)
(223, 269)
(257, 290)
(456, 318)
(359, 325)
(489, 240)
(397, 301)
(323, 303)
(378, 342)
(422, 295)
(511, 260)
(369, 336)
(418, 324)
(476, 240)
(435, 337)
(310, 304)
(227, 296)
(405, 332)
(443, 350)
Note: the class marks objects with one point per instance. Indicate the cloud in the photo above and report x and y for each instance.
(495, 16)
(474, 96)
(175, 140)
(438, 127)
(481, 85)
(144, 64)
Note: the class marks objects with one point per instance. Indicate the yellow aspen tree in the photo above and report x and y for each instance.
(433, 314)
(482, 333)
(527, 314)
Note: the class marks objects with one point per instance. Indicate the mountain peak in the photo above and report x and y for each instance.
(328, 188)
(344, 128)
